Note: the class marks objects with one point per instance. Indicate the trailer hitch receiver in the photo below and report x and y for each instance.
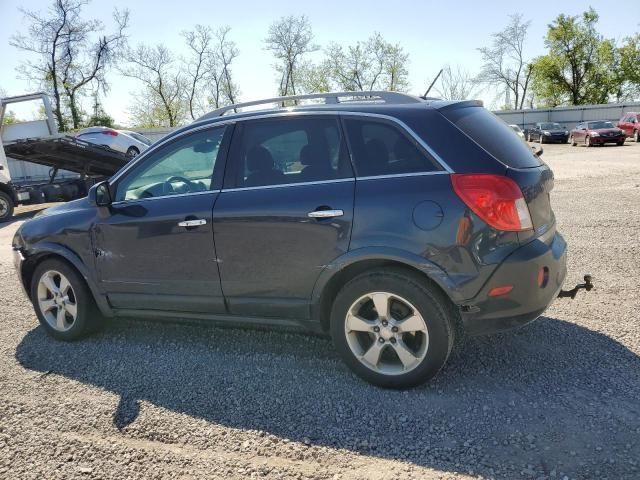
(587, 285)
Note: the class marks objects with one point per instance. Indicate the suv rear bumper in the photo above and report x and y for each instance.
(528, 299)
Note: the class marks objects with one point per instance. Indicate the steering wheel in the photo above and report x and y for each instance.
(191, 187)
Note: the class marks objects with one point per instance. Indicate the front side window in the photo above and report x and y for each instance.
(289, 150)
(381, 148)
(183, 166)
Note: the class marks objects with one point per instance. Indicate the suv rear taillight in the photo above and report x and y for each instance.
(113, 133)
(496, 199)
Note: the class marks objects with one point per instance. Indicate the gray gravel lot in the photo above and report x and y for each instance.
(559, 398)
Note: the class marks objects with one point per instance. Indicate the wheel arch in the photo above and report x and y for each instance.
(354, 263)
(46, 251)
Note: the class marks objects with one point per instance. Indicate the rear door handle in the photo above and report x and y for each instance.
(325, 213)
(192, 223)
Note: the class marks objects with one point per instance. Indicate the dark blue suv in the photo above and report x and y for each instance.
(395, 223)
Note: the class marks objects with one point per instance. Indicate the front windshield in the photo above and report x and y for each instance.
(551, 126)
(597, 125)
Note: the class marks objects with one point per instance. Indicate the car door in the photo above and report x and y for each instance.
(578, 133)
(285, 212)
(154, 248)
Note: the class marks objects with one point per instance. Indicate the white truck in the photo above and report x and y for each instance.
(74, 164)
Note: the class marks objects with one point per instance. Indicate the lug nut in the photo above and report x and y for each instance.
(381, 340)
(393, 340)
(376, 329)
(394, 329)
(385, 323)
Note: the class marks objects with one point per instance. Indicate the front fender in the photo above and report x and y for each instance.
(42, 249)
(430, 269)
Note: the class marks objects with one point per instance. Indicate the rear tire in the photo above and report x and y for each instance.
(620, 144)
(405, 346)
(6, 207)
(62, 301)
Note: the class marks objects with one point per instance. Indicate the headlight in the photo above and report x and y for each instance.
(594, 134)
(566, 132)
(546, 132)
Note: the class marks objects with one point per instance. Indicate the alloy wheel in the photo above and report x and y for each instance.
(57, 300)
(386, 333)
(4, 207)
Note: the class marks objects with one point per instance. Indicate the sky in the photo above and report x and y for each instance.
(434, 33)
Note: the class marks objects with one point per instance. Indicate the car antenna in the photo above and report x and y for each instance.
(432, 84)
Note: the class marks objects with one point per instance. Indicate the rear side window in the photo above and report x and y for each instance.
(494, 136)
(289, 150)
(381, 148)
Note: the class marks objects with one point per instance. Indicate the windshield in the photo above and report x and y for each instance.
(140, 138)
(551, 126)
(597, 125)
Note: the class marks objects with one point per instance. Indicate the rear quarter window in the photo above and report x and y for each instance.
(494, 136)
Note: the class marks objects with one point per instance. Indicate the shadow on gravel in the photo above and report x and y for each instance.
(552, 396)
(21, 216)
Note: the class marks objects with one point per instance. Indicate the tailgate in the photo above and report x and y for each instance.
(536, 185)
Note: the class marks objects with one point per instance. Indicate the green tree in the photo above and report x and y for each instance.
(580, 67)
(629, 55)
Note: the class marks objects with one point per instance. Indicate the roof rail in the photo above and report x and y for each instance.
(329, 98)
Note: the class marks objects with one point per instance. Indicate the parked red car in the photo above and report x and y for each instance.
(630, 123)
(596, 133)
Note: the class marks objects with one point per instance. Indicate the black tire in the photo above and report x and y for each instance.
(620, 144)
(431, 305)
(587, 141)
(88, 318)
(52, 193)
(132, 152)
(541, 139)
(572, 141)
(529, 137)
(6, 207)
(636, 136)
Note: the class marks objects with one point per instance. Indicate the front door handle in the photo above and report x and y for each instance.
(192, 223)
(325, 213)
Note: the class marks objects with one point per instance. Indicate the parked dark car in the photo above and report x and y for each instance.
(597, 133)
(548, 132)
(396, 226)
(630, 124)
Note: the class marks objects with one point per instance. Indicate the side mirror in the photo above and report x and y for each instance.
(100, 195)
(537, 151)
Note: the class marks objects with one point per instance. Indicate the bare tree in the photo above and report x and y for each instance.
(505, 65)
(224, 54)
(164, 84)
(70, 59)
(456, 84)
(374, 64)
(290, 38)
(197, 64)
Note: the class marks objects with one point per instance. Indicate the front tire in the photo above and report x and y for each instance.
(587, 141)
(6, 207)
(636, 136)
(132, 152)
(572, 141)
(62, 301)
(403, 347)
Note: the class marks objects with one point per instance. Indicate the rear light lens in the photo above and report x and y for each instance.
(496, 199)
(113, 133)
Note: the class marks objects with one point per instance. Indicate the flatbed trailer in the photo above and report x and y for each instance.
(39, 142)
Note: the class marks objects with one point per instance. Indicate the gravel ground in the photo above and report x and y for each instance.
(558, 399)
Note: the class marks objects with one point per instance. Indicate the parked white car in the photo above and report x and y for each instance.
(125, 141)
(518, 130)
